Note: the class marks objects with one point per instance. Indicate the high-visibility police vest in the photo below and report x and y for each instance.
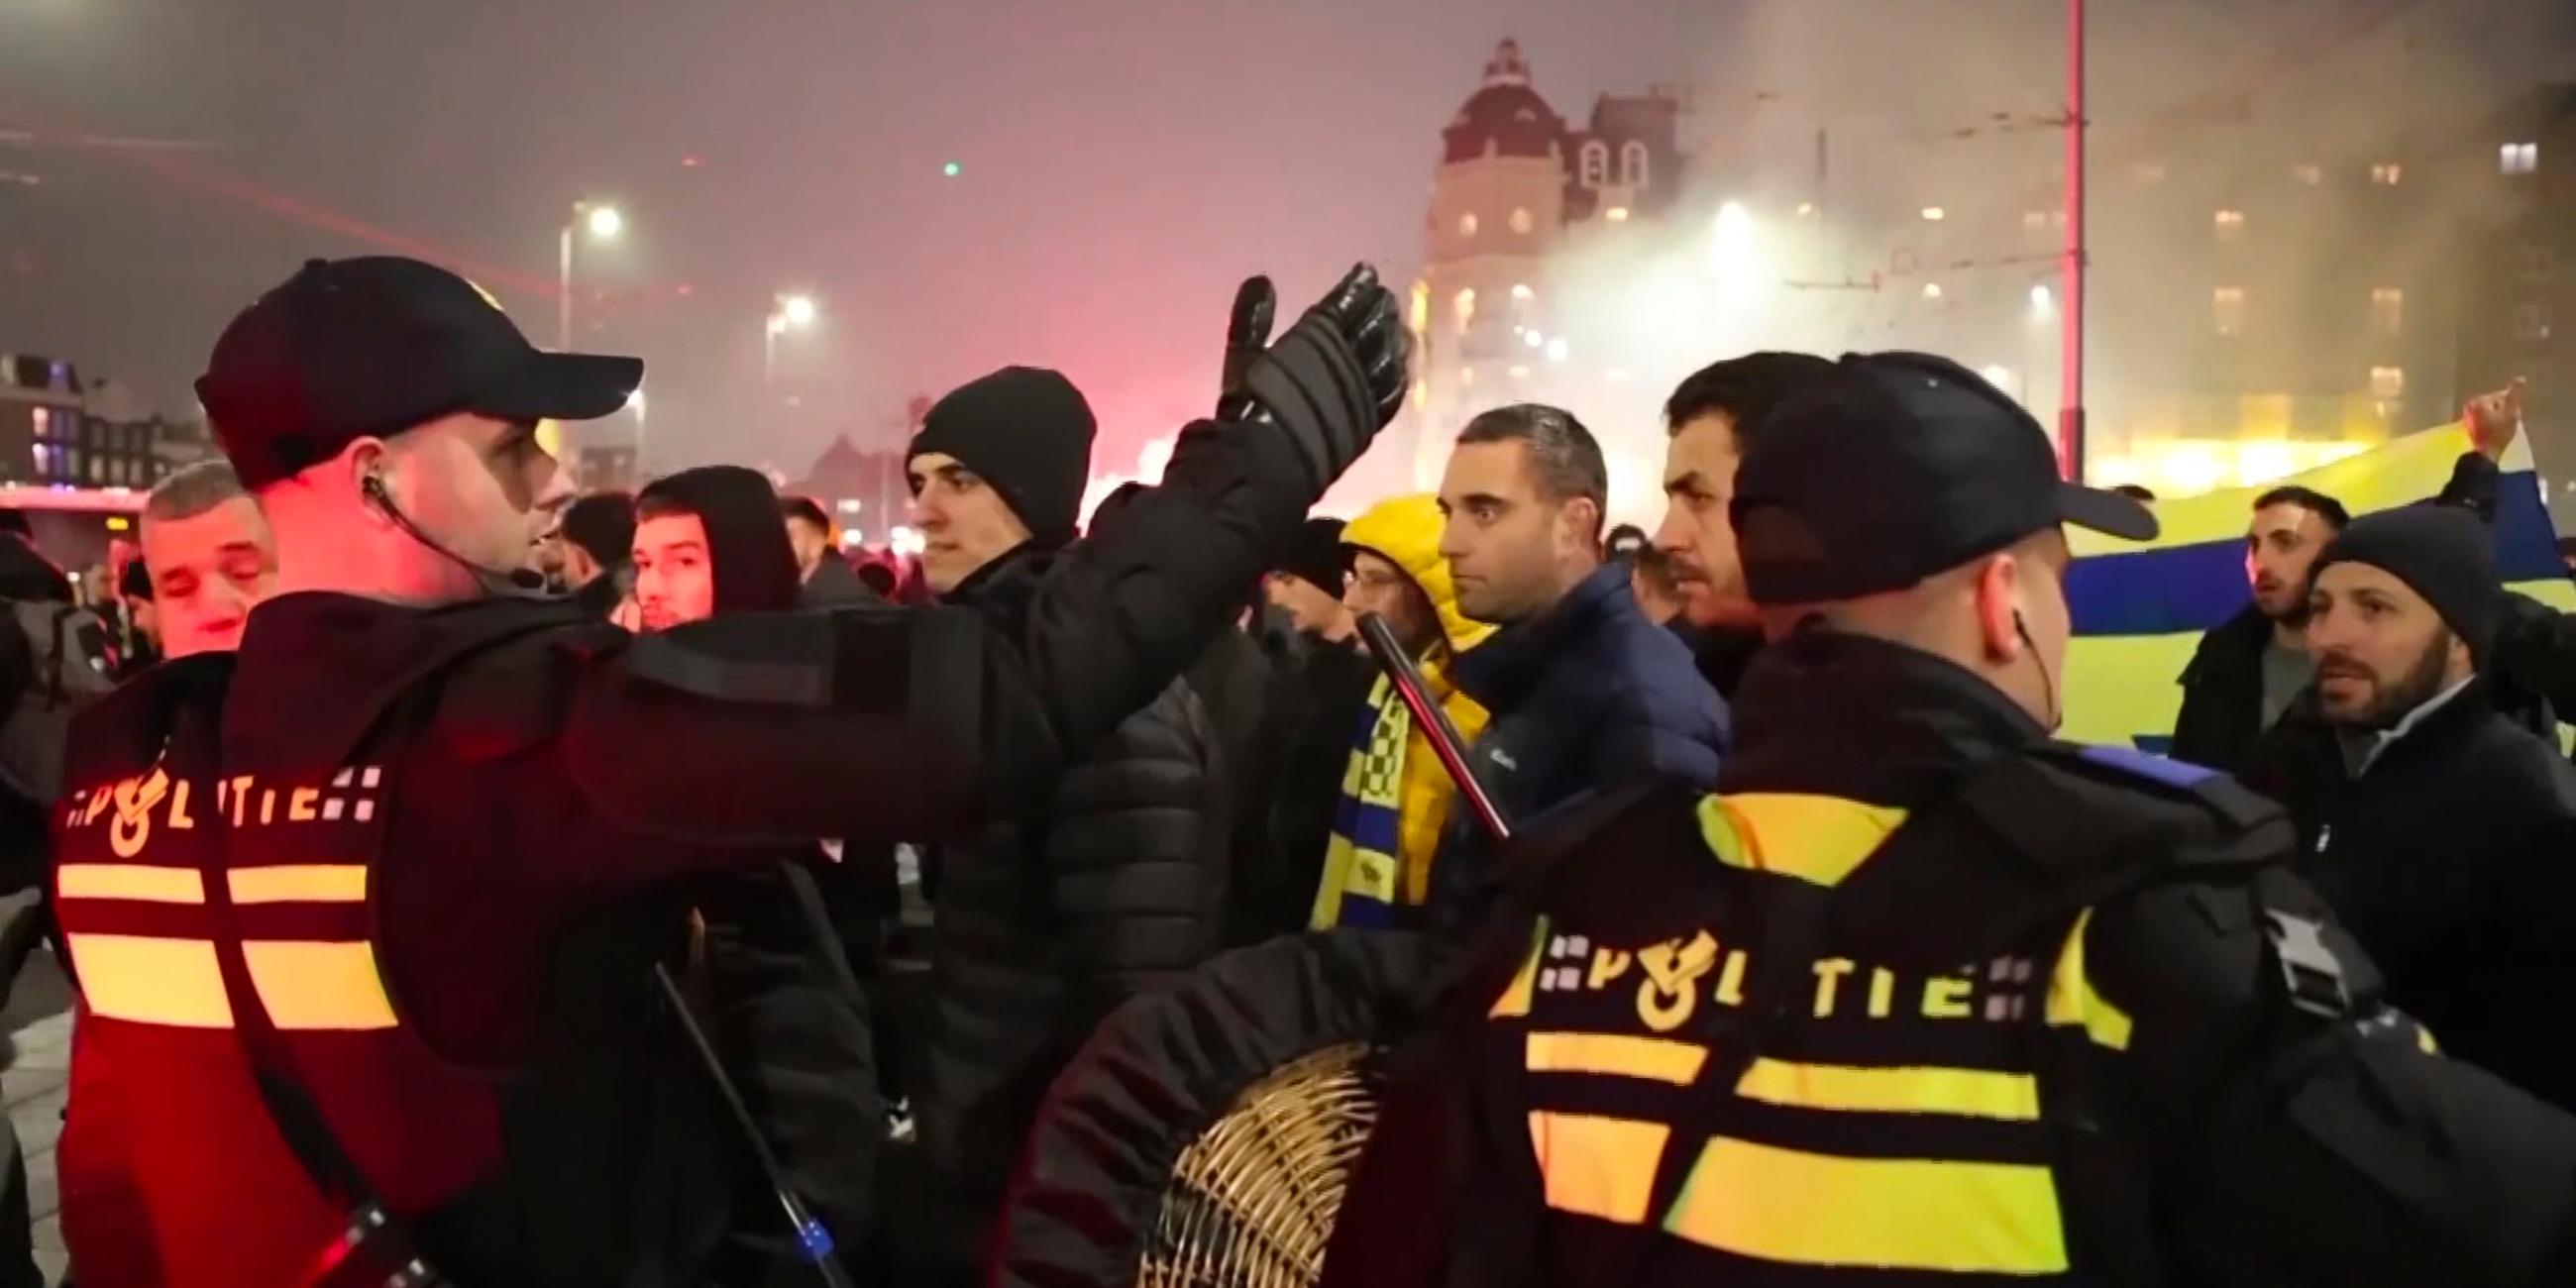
(143, 824)
(1714, 1095)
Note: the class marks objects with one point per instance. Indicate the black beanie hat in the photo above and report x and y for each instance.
(1316, 555)
(755, 567)
(1026, 431)
(2441, 552)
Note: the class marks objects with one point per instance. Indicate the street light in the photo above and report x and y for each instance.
(793, 313)
(636, 404)
(604, 223)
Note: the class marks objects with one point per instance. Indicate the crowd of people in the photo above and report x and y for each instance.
(534, 888)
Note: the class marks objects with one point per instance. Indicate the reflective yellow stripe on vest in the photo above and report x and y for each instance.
(1782, 1198)
(303, 984)
(1817, 839)
(1887, 1213)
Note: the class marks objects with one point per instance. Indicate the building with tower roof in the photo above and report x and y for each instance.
(1515, 185)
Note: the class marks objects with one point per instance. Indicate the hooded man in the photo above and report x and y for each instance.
(1396, 799)
(781, 997)
(708, 541)
(2438, 827)
(1066, 905)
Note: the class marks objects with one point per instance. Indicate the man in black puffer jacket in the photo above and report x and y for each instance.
(1058, 911)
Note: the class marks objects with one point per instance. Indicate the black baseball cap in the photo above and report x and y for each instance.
(377, 345)
(1896, 466)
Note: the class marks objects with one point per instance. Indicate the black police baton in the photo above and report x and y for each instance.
(1428, 717)
(811, 1237)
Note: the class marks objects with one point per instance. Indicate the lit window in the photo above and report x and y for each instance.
(1521, 222)
(2034, 220)
(2518, 158)
(2387, 173)
(2230, 224)
(1521, 291)
(2388, 383)
(1934, 214)
(1519, 372)
(42, 415)
(847, 507)
(1632, 164)
(2227, 310)
(1467, 376)
(2531, 321)
(2311, 175)
(1596, 164)
(1931, 290)
(2148, 173)
(1467, 224)
(1419, 317)
(2387, 310)
(1616, 214)
(1465, 304)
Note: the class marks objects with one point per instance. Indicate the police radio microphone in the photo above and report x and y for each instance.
(813, 1239)
(514, 581)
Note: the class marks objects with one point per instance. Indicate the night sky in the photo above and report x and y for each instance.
(1122, 164)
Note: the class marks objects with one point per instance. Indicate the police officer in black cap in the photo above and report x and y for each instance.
(1922, 995)
(365, 914)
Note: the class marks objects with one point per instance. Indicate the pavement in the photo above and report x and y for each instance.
(39, 1023)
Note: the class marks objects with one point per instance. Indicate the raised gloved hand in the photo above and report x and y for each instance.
(1247, 333)
(1334, 380)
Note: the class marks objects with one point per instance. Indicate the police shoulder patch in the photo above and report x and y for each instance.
(2160, 769)
(2239, 807)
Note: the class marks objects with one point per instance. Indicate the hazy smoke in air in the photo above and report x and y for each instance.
(1872, 174)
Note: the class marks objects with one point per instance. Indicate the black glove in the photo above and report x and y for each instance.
(1247, 333)
(1334, 380)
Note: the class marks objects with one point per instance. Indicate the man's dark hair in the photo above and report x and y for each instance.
(806, 508)
(1627, 541)
(1746, 389)
(2136, 491)
(2310, 500)
(135, 582)
(1562, 452)
(14, 521)
(603, 525)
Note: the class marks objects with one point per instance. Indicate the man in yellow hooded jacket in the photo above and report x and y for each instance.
(1396, 798)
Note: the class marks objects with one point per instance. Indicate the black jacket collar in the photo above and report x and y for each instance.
(2235, 646)
(1722, 653)
(316, 670)
(1847, 715)
(1501, 671)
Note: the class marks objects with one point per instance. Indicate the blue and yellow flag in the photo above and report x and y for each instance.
(2140, 610)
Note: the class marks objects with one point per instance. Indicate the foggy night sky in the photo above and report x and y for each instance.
(1124, 163)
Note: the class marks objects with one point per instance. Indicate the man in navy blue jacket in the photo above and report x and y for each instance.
(1587, 695)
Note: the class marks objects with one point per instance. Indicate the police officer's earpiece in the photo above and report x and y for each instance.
(372, 486)
(2047, 681)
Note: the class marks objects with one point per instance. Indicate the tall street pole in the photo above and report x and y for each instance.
(563, 289)
(2070, 410)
